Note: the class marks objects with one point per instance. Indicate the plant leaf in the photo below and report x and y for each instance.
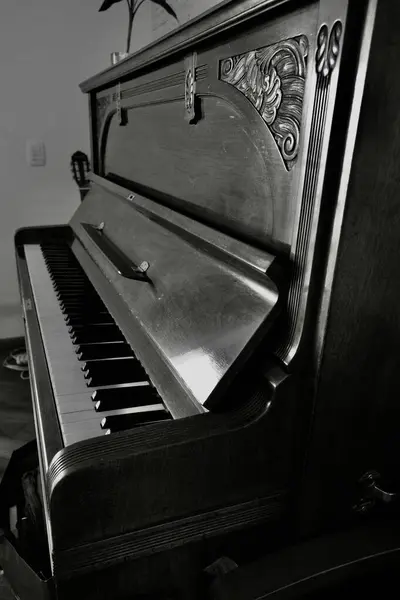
(107, 4)
(164, 4)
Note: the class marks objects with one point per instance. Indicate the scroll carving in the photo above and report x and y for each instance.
(328, 49)
(273, 80)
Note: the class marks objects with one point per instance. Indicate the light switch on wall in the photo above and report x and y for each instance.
(35, 153)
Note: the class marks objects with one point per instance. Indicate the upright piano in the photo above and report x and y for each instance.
(213, 338)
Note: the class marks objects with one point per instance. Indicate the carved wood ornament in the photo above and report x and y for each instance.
(273, 80)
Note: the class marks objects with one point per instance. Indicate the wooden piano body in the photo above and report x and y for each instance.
(241, 233)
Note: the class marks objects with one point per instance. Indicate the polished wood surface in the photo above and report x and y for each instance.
(214, 166)
(358, 388)
(229, 168)
(201, 312)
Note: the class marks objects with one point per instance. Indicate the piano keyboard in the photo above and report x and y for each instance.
(99, 385)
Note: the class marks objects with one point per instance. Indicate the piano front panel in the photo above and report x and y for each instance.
(242, 198)
(245, 147)
(255, 146)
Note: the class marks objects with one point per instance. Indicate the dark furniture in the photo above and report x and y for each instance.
(213, 337)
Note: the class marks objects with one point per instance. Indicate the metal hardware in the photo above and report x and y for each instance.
(372, 493)
(120, 262)
(130, 197)
(190, 87)
(370, 481)
(116, 57)
(28, 304)
(144, 266)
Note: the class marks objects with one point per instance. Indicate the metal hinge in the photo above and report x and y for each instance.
(372, 494)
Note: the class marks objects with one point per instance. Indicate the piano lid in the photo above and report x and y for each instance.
(203, 301)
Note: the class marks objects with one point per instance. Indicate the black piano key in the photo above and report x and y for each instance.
(73, 290)
(114, 372)
(83, 317)
(95, 323)
(85, 366)
(65, 285)
(62, 271)
(62, 280)
(123, 422)
(86, 312)
(105, 350)
(70, 280)
(65, 275)
(73, 307)
(101, 333)
(79, 302)
(82, 305)
(92, 318)
(124, 397)
(77, 297)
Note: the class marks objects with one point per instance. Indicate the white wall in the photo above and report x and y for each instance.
(47, 47)
(185, 10)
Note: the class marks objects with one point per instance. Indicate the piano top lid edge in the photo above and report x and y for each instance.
(209, 24)
(185, 226)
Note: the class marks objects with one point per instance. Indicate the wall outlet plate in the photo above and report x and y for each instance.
(35, 153)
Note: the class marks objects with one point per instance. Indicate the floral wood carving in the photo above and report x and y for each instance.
(273, 79)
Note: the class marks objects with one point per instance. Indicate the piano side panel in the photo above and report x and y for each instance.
(357, 411)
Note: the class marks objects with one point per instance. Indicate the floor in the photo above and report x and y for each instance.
(16, 419)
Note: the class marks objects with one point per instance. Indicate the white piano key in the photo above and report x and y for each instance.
(79, 436)
(81, 402)
(89, 415)
(76, 410)
(64, 367)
